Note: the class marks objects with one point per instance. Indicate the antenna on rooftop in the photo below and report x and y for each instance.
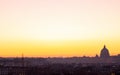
(23, 65)
(22, 60)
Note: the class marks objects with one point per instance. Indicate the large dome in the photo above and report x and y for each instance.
(104, 52)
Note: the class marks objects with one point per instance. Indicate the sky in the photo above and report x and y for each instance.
(59, 28)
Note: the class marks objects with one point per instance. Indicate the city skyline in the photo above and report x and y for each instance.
(103, 53)
(52, 28)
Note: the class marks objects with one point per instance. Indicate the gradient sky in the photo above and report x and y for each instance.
(59, 27)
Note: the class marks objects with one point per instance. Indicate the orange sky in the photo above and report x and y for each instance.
(59, 27)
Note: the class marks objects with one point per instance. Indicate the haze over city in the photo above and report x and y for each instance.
(59, 28)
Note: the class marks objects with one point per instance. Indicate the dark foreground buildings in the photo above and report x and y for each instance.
(99, 65)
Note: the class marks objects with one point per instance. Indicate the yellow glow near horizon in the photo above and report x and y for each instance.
(59, 28)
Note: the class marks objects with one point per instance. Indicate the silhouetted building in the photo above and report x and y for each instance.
(96, 56)
(104, 52)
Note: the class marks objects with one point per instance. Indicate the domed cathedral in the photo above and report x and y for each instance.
(104, 52)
